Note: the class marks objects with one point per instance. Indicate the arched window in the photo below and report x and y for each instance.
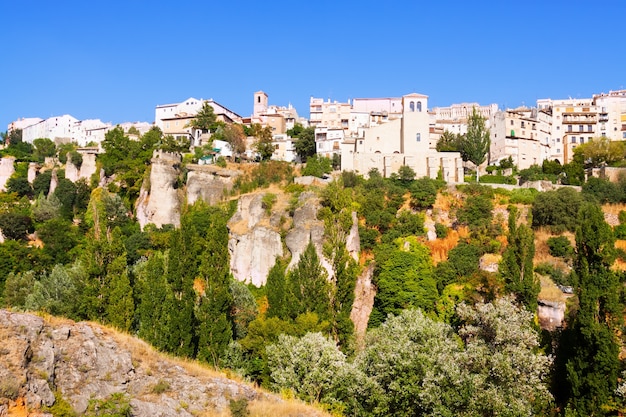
(411, 106)
(419, 106)
(418, 137)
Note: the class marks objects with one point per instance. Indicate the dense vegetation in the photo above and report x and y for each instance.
(444, 338)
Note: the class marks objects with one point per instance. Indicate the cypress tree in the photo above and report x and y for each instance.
(213, 314)
(307, 287)
(153, 296)
(276, 288)
(517, 263)
(589, 348)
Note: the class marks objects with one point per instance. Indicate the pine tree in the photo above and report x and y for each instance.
(589, 349)
(517, 263)
(121, 307)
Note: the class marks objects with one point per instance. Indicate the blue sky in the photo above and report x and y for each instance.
(116, 60)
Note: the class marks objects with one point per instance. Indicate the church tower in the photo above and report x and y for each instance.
(414, 133)
(260, 103)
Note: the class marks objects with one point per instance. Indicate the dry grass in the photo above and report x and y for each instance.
(542, 252)
(549, 290)
(439, 248)
(611, 212)
(288, 407)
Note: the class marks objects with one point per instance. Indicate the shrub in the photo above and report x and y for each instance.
(441, 230)
(523, 196)
(161, 387)
(560, 246)
(267, 202)
(557, 209)
(476, 211)
(556, 274)
(317, 166)
(498, 179)
(424, 192)
(620, 231)
(9, 388)
(239, 408)
(220, 162)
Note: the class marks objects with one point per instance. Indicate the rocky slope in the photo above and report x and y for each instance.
(84, 362)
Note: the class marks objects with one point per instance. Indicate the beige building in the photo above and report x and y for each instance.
(611, 114)
(329, 114)
(402, 141)
(328, 141)
(573, 121)
(521, 135)
(454, 119)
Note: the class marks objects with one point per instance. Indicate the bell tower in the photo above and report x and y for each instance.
(260, 103)
(414, 134)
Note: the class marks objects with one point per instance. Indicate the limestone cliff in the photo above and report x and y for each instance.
(209, 183)
(86, 169)
(159, 201)
(84, 361)
(254, 242)
(7, 169)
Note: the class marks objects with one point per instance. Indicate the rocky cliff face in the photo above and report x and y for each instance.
(158, 201)
(86, 169)
(7, 169)
(84, 361)
(209, 183)
(254, 242)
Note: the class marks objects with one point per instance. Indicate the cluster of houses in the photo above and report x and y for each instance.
(381, 133)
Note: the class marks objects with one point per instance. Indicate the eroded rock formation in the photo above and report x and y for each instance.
(159, 201)
(7, 169)
(85, 361)
(209, 183)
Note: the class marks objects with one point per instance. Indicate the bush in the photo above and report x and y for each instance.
(424, 192)
(161, 387)
(560, 246)
(317, 166)
(239, 408)
(556, 274)
(523, 196)
(267, 202)
(9, 388)
(476, 211)
(498, 179)
(557, 209)
(602, 191)
(620, 231)
(220, 162)
(441, 230)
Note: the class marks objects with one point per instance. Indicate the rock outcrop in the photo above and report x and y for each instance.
(86, 169)
(254, 244)
(307, 228)
(7, 168)
(551, 314)
(32, 172)
(364, 293)
(84, 361)
(159, 201)
(209, 183)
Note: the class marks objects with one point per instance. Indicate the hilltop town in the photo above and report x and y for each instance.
(382, 133)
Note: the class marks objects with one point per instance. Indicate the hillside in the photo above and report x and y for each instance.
(83, 363)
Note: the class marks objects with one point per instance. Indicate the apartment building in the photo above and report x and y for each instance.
(328, 141)
(611, 114)
(329, 114)
(520, 134)
(454, 119)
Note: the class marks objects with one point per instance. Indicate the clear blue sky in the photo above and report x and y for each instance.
(116, 60)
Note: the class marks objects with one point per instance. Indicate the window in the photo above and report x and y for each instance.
(419, 106)
(581, 128)
(411, 106)
(569, 128)
(582, 139)
(558, 128)
(418, 137)
(258, 100)
(523, 124)
(511, 122)
(573, 139)
(589, 128)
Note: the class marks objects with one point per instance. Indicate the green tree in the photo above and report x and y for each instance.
(56, 292)
(44, 147)
(589, 349)
(557, 209)
(600, 151)
(477, 142)
(305, 142)
(276, 289)
(215, 323)
(449, 142)
(405, 281)
(263, 144)
(307, 286)
(17, 287)
(41, 183)
(205, 119)
(20, 186)
(15, 225)
(153, 296)
(517, 262)
(406, 174)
